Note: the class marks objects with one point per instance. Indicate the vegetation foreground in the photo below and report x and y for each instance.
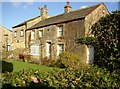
(92, 77)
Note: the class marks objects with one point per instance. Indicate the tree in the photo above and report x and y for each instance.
(106, 41)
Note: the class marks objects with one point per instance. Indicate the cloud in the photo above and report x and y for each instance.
(21, 4)
(22, 0)
(16, 4)
(83, 6)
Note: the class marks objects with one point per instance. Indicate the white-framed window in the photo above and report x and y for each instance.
(60, 31)
(33, 34)
(15, 34)
(34, 50)
(60, 48)
(21, 32)
(40, 33)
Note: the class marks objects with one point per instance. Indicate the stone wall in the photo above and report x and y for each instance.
(93, 17)
(33, 22)
(49, 35)
(73, 31)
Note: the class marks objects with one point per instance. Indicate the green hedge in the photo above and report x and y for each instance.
(67, 78)
(68, 60)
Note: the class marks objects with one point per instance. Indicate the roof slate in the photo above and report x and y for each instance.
(73, 15)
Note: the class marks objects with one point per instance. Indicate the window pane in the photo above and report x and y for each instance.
(34, 50)
(21, 33)
(60, 31)
(15, 34)
(41, 33)
(60, 48)
(33, 35)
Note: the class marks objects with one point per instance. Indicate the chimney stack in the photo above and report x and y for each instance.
(67, 7)
(44, 12)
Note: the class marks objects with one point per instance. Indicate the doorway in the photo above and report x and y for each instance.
(48, 49)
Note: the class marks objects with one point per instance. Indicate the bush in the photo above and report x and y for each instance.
(47, 61)
(69, 60)
(107, 33)
(6, 54)
(89, 77)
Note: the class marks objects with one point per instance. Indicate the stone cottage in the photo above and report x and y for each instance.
(51, 36)
(5, 39)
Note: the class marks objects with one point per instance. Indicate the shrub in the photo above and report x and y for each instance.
(34, 60)
(89, 77)
(69, 60)
(6, 54)
(27, 57)
(47, 61)
(107, 32)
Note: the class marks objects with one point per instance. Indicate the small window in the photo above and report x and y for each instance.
(60, 48)
(21, 33)
(41, 33)
(15, 34)
(48, 29)
(60, 31)
(103, 11)
(33, 34)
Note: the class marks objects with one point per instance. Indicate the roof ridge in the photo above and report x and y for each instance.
(5, 28)
(87, 7)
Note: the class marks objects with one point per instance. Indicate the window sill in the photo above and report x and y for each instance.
(60, 36)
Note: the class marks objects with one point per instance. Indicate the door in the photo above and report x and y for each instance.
(90, 54)
(48, 49)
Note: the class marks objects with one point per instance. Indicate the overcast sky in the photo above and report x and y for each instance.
(14, 13)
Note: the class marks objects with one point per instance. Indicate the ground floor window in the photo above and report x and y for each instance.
(34, 49)
(60, 48)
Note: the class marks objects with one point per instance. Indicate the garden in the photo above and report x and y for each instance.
(69, 71)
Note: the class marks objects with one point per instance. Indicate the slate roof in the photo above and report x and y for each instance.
(65, 17)
(23, 23)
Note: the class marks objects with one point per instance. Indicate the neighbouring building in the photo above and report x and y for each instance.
(5, 39)
(48, 37)
(19, 34)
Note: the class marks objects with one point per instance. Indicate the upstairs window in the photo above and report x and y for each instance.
(21, 33)
(33, 34)
(15, 34)
(41, 33)
(60, 31)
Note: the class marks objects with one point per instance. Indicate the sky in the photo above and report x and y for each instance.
(16, 12)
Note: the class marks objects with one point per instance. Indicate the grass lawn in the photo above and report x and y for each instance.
(14, 66)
